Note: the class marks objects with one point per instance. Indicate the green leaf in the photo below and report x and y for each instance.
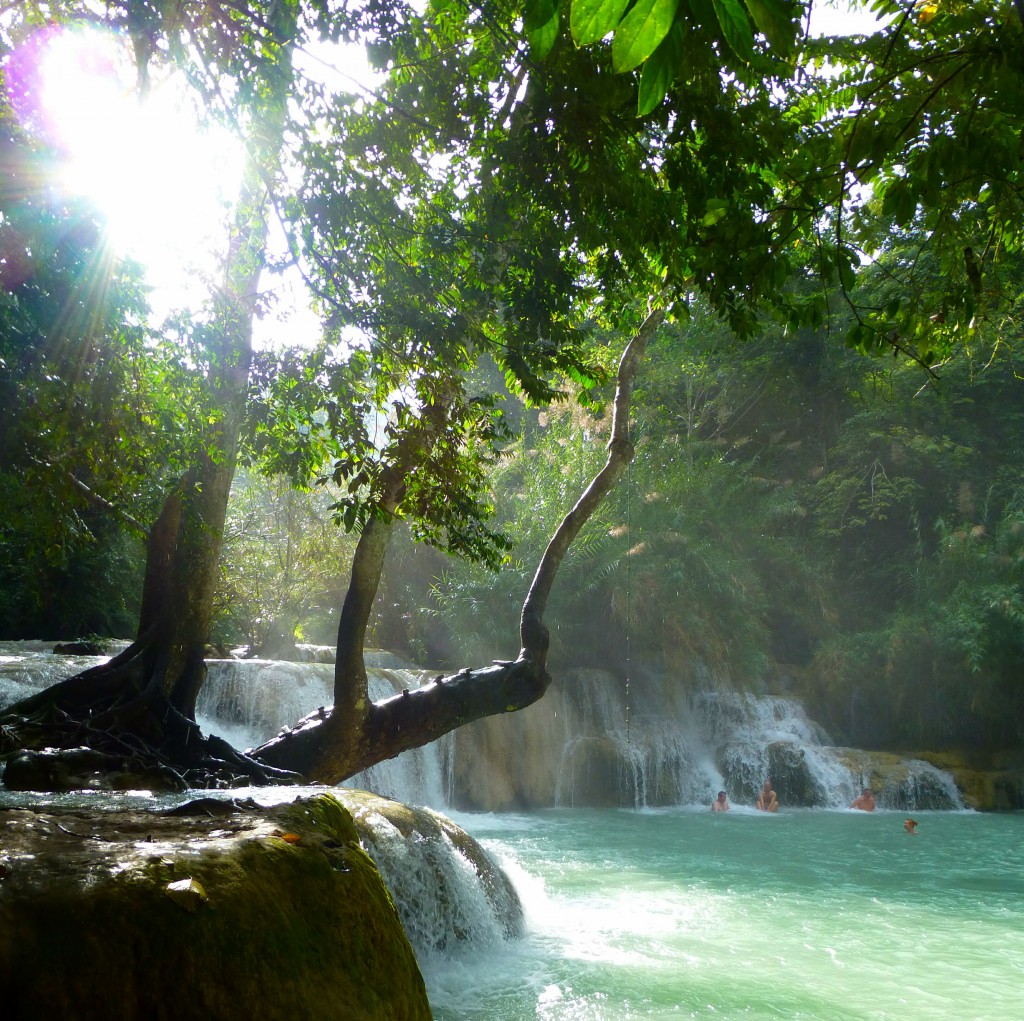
(542, 39)
(716, 209)
(591, 20)
(537, 13)
(641, 32)
(776, 20)
(659, 72)
(735, 27)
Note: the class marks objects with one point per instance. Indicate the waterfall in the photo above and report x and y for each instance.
(450, 893)
(571, 749)
(29, 666)
(248, 701)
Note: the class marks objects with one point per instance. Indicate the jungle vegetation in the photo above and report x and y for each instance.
(532, 197)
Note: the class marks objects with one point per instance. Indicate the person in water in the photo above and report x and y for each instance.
(865, 802)
(767, 800)
(721, 803)
(910, 825)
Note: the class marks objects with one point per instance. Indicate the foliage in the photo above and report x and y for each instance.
(84, 413)
(919, 126)
(679, 564)
(944, 668)
(282, 568)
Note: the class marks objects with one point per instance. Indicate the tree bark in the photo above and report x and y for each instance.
(533, 633)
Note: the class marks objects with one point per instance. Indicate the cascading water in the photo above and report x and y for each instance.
(573, 749)
(248, 701)
(570, 749)
(450, 893)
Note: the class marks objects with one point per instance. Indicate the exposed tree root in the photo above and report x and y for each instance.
(108, 728)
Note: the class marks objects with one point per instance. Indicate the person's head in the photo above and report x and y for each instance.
(721, 795)
(867, 793)
(767, 785)
(910, 825)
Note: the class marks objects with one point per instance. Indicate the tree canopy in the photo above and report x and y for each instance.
(539, 185)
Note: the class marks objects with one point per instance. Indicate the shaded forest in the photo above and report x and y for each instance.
(800, 518)
(817, 237)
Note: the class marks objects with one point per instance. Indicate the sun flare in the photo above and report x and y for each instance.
(162, 184)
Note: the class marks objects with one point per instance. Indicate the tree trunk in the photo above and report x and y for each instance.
(333, 744)
(151, 688)
(532, 631)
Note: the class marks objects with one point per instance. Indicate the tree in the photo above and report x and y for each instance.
(159, 676)
(503, 196)
(923, 136)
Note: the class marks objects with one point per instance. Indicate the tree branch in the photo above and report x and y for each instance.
(532, 630)
(94, 498)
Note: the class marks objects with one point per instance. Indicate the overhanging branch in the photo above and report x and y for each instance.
(532, 630)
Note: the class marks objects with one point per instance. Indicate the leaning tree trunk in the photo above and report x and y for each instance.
(331, 745)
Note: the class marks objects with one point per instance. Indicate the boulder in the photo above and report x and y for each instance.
(217, 910)
(792, 777)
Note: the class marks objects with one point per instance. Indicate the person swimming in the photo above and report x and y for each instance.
(910, 825)
(721, 803)
(767, 800)
(865, 802)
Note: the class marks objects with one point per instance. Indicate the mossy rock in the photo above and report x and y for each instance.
(903, 782)
(140, 916)
(990, 783)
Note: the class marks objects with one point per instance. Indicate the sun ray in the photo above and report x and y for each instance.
(161, 182)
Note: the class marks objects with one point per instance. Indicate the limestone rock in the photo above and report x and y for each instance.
(289, 928)
(792, 777)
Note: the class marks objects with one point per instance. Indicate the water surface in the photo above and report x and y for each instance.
(684, 913)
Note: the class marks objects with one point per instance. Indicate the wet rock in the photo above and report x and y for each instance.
(446, 886)
(287, 928)
(83, 647)
(792, 776)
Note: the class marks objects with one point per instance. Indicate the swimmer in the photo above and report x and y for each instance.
(866, 801)
(910, 825)
(767, 800)
(721, 803)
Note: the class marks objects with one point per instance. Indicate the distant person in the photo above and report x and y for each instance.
(910, 825)
(865, 802)
(767, 800)
(721, 803)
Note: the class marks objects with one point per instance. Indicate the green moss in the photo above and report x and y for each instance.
(304, 929)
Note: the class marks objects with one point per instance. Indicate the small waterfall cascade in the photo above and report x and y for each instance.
(573, 749)
(570, 749)
(450, 893)
(748, 738)
(29, 666)
(907, 784)
(248, 701)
